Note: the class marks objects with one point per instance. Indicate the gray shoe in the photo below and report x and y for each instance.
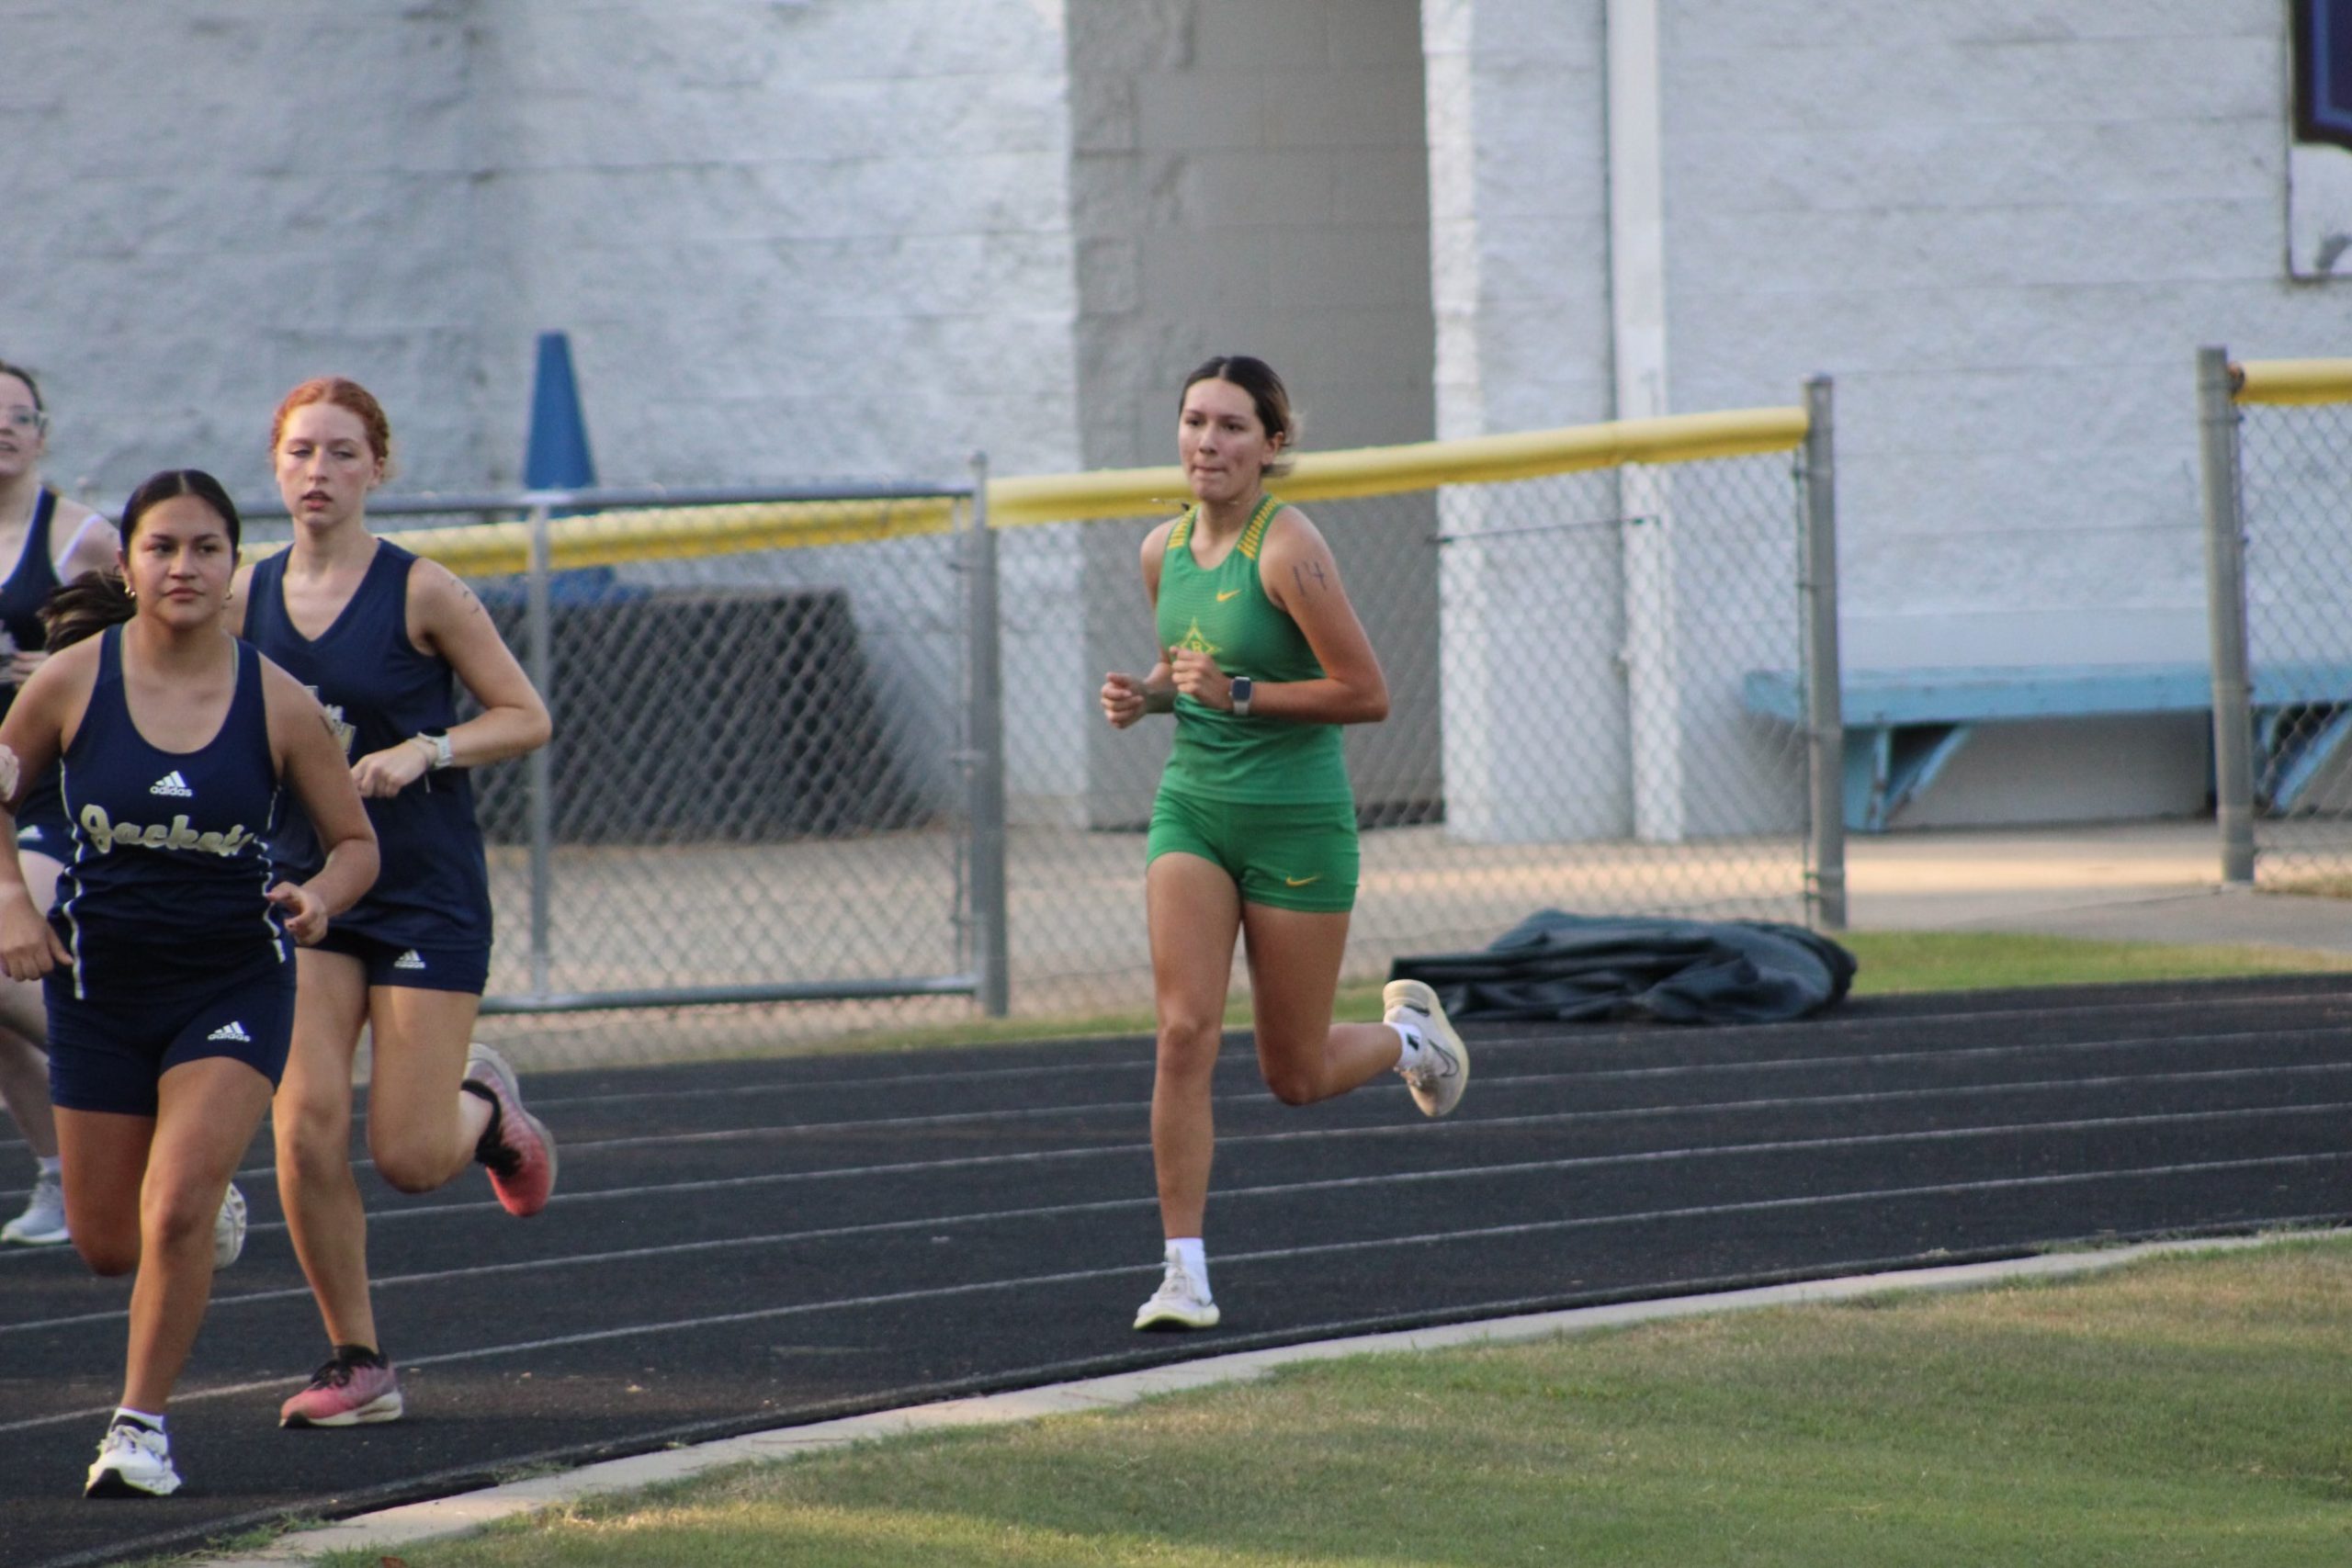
(43, 1222)
(1437, 1084)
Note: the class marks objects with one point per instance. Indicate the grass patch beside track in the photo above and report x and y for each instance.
(1896, 963)
(2185, 1410)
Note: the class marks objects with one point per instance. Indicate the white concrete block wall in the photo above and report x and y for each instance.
(210, 201)
(788, 241)
(2004, 228)
(1250, 178)
(1518, 213)
(1536, 738)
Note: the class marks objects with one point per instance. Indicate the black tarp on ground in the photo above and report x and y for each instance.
(1568, 968)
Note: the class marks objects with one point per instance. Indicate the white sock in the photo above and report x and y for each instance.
(140, 1417)
(50, 1164)
(1189, 1251)
(1412, 1057)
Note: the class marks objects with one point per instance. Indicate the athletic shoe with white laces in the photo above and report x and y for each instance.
(1179, 1302)
(1444, 1072)
(516, 1147)
(133, 1462)
(228, 1228)
(356, 1387)
(43, 1222)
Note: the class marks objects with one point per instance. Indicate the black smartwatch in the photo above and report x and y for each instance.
(1242, 689)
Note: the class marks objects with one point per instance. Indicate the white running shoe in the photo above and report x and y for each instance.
(228, 1228)
(43, 1222)
(132, 1462)
(1445, 1071)
(1179, 1302)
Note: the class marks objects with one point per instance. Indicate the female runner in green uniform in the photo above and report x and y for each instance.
(1253, 833)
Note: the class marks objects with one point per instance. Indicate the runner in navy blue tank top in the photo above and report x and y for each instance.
(384, 638)
(169, 978)
(59, 538)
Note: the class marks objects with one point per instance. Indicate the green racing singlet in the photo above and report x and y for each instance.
(1224, 612)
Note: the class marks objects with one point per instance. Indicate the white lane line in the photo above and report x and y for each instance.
(1617, 1075)
(1402, 1129)
(1227, 1262)
(1588, 1035)
(1234, 1194)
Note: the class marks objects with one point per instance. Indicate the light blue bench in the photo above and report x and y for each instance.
(1902, 727)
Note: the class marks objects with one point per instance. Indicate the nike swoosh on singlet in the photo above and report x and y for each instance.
(1224, 594)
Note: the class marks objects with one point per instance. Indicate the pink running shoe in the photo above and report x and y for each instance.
(356, 1387)
(516, 1147)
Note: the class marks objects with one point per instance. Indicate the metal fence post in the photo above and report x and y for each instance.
(542, 782)
(1823, 700)
(984, 718)
(2217, 414)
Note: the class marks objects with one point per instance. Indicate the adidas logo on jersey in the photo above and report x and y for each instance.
(409, 960)
(232, 1030)
(172, 784)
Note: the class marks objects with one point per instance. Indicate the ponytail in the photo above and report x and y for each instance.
(86, 607)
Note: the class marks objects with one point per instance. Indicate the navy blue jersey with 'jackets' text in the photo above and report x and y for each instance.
(165, 886)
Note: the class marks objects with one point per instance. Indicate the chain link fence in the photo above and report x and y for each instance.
(2285, 471)
(775, 809)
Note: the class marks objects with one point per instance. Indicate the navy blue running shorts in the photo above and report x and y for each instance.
(461, 967)
(109, 1055)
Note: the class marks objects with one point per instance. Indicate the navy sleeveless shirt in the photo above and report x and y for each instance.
(165, 890)
(41, 820)
(379, 690)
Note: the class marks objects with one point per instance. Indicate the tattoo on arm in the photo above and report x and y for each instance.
(1300, 572)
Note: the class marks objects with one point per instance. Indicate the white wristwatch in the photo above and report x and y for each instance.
(437, 742)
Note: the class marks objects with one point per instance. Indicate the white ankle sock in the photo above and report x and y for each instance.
(1189, 1251)
(1410, 1057)
(154, 1423)
(50, 1164)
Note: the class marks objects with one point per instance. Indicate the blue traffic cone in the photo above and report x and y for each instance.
(557, 457)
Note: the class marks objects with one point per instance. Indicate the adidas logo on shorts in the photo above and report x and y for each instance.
(409, 960)
(172, 784)
(232, 1030)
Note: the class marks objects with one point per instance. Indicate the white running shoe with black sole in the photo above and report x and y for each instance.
(1179, 1302)
(1444, 1069)
(228, 1228)
(132, 1461)
(43, 1222)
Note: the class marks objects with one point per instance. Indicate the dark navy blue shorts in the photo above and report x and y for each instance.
(462, 967)
(109, 1055)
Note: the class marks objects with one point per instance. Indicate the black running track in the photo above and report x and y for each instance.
(755, 1244)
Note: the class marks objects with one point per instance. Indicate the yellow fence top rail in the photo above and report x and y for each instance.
(489, 549)
(2294, 381)
(1383, 470)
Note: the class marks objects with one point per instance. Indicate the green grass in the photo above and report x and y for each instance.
(2186, 1411)
(1902, 961)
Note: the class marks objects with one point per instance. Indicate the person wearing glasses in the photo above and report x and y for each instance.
(51, 540)
(1253, 831)
(384, 638)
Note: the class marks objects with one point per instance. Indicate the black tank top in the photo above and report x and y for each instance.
(165, 889)
(378, 689)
